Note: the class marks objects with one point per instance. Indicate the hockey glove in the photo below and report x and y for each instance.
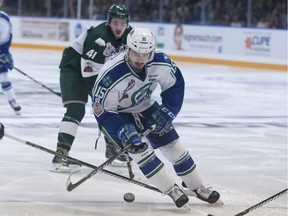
(128, 135)
(1, 130)
(162, 117)
(6, 61)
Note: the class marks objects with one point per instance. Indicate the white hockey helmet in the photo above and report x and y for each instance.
(141, 40)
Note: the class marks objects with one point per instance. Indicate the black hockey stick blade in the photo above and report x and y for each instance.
(130, 172)
(71, 186)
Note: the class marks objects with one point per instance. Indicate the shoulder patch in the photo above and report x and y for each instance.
(97, 107)
(100, 42)
(107, 81)
(166, 58)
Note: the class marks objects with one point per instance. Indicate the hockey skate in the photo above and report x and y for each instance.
(62, 165)
(15, 107)
(111, 151)
(204, 194)
(178, 196)
(207, 195)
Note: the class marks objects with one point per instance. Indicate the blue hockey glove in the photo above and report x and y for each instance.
(6, 61)
(1, 130)
(162, 117)
(128, 135)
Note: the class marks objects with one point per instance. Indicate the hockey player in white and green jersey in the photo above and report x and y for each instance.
(124, 107)
(79, 67)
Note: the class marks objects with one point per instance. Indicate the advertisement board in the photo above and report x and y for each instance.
(263, 46)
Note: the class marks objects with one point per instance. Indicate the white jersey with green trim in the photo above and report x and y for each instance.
(119, 88)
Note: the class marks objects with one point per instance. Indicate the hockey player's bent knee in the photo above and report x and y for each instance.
(76, 111)
(4, 81)
(70, 122)
(6, 85)
(174, 151)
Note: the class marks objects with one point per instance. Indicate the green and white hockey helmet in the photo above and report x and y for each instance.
(118, 11)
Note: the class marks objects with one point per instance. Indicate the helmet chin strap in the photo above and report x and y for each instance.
(152, 53)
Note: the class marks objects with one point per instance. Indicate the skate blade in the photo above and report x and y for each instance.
(18, 113)
(64, 169)
(118, 163)
(186, 207)
(192, 193)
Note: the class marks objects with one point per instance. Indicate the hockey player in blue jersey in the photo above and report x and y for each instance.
(6, 61)
(124, 107)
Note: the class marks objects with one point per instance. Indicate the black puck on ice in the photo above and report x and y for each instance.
(129, 197)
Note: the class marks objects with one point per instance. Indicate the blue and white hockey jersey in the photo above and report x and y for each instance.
(5, 32)
(120, 89)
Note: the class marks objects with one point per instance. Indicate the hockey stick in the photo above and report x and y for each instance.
(260, 204)
(130, 172)
(128, 161)
(71, 186)
(264, 202)
(104, 171)
(44, 86)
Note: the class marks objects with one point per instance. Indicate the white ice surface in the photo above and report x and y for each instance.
(233, 121)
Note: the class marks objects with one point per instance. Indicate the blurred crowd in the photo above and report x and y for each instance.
(235, 13)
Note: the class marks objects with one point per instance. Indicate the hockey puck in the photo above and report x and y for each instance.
(129, 197)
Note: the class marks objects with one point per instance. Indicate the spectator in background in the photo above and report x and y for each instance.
(203, 12)
(6, 61)
(78, 30)
(178, 36)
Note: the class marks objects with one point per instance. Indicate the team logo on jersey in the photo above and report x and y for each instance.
(131, 84)
(97, 107)
(107, 81)
(109, 50)
(88, 68)
(141, 94)
(100, 42)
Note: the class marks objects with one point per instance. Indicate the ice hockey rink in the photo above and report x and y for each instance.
(233, 121)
